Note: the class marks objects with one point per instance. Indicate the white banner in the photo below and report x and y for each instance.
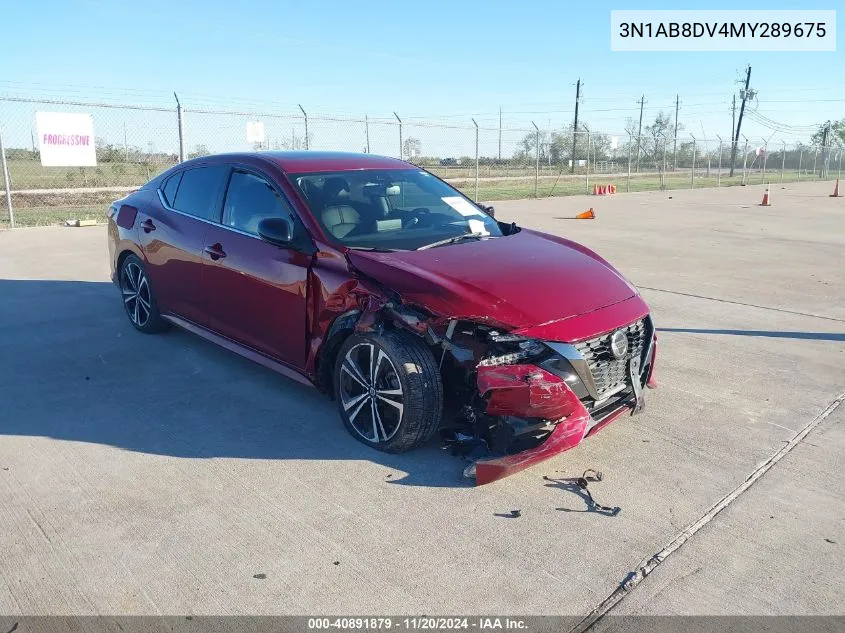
(66, 139)
(254, 132)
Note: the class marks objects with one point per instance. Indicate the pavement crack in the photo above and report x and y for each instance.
(742, 303)
(38, 525)
(648, 565)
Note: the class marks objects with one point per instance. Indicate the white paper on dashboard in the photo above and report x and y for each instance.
(477, 226)
(462, 206)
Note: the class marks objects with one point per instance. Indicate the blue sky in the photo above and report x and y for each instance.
(433, 59)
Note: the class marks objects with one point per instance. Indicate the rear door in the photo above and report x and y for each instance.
(255, 292)
(172, 234)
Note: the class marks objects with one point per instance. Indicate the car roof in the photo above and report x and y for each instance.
(300, 162)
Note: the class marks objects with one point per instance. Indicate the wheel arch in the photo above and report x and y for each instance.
(341, 328)
(123, 252)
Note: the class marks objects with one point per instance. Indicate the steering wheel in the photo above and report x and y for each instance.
(414, 217)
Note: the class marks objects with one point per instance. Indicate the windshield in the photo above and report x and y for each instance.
(392, 209)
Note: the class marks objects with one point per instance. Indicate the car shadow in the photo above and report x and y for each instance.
(816, 336)
(74, 369)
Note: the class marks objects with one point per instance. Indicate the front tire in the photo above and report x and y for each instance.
(138, 298)
(389, 391)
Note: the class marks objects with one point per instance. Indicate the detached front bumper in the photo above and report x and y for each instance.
(529, 391)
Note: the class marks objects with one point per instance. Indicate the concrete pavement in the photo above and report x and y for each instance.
(159, 474)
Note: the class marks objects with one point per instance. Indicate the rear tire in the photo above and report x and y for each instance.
(138, 297)
(389, 391)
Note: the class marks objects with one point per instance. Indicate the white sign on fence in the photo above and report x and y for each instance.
(255, 132)
(66, 139)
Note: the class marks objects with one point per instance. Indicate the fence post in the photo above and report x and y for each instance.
(719, 168)
(367, 130)
(838, 173)
(630, 144)
(765, 160)
(537, 159)
(692, 175)
(7, 181)
(783, 161)
(587, 176)
(745, 161)
(304, 114)
(476, 160)
(815, 156)
(181, 129)
(800, 158)
(401, 149)
(663, 171)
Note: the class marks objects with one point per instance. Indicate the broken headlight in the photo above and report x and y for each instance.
(510, 349)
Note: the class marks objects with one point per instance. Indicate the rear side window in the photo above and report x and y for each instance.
(198, 192)
(169, 188)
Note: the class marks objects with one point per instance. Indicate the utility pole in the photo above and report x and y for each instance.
(733, 121)
(745, 94)
(640, 132)
(575, 126)
(500, 134)
(675, 142)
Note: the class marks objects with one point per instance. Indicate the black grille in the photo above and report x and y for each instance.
(608, 372)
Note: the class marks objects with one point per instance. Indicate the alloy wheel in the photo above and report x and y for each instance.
(136, 294)
(371, 393)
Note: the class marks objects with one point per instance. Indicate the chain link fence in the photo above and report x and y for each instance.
(134, 143)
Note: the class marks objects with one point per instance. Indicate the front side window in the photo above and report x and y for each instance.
(198, 191)
(391, 209)
(251, 199)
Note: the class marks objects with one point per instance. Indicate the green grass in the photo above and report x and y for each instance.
(50, 216)
(52, 209)
(29, 174)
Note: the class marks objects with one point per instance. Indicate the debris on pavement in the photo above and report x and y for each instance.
(513, 514)
(580, 486)
(260, 576)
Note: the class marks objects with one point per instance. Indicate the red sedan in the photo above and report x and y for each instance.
(381, 285)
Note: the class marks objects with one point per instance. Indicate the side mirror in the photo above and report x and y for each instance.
(278, 231)
(489, 210)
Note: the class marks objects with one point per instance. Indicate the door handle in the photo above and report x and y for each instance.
(215, 251)
(148, 225)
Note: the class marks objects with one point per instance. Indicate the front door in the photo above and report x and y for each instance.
(254, 291)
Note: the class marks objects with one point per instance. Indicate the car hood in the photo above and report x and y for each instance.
(517, 281)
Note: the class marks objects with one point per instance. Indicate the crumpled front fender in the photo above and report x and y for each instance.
(527, 391)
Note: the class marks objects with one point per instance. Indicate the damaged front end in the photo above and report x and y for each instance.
(513, 396)
(535, 398)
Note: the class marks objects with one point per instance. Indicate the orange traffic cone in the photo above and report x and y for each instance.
(612, 188)
(766, 202)
(835, 193)
(589, 214)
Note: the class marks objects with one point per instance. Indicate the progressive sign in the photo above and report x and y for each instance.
(66, 139)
